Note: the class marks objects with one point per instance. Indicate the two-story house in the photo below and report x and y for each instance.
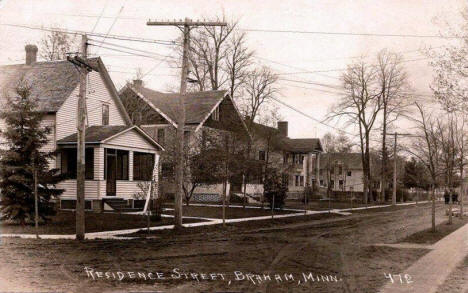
(341, 172)
(297, 158)
(208, 114)
(119, 156)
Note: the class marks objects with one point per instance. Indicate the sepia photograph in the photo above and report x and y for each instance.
(234, 146)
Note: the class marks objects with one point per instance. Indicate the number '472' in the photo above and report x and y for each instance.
(399, 278)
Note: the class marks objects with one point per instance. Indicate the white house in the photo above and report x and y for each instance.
(342, 171)
(118, 154)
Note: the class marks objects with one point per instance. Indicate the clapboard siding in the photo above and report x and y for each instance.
(91, 188)
(97, 95)
(126, 189)
(49, 121)
(131, 139)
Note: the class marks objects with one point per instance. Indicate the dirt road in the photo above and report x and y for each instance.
(330, 255)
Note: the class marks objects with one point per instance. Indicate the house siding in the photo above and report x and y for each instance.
(97, 95)
(131, 139)
(91, 189)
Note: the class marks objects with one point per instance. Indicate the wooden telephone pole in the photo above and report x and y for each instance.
(84, 68)
(185, 26)
(395, 166)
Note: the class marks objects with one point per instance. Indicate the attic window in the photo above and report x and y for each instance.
(215, 114)
(105, 114)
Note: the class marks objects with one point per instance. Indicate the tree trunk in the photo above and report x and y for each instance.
(384, 156)
(433, 209)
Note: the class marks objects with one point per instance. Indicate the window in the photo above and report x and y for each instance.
(89, 163)
(340, 184)
(68, 163)
(105, 114)
(332, 170)
(215, 114)
(143, 164)
(299, 180)
(321, 183)
(340, 170)
(349, 173)
(122, 165)
(161, 136)
(332, 183)
(285, 158)
(261, 155)
(321, 172)
(298, 158)
(186, 137)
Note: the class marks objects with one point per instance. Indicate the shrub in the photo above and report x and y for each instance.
(275, 189)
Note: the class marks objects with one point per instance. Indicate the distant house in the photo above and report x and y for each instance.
(341, 172)
(208, 114)
(119, 156)
(297, 158)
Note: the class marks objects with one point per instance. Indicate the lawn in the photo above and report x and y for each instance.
(442, 230)
(64, 223)
(457, 280)
(340, 246)
(217, 212)
(256, 226)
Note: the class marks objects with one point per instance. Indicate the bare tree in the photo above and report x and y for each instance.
(340, 143)
(446, 133)
(55, 45)
(238, 61)
(361, 104)
(260, 88)
(392, 81)
(427, 148)
(219, 58)
(461, 142)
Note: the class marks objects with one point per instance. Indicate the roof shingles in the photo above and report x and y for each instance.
(197, 105)
(95, 134)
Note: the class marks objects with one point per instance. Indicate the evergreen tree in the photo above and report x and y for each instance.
(25, 137)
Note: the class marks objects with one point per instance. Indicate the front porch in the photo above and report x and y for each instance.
(122, 166)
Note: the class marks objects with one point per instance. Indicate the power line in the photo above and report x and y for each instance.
(133, 49)
(118, 50)
(351, 34)
(112, 25)
(75, 32)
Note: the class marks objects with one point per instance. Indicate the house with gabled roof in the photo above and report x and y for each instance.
(208, 113)
(298, 159)
(120, 156)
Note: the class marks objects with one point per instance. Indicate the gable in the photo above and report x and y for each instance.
(97, 96)
(131, 138)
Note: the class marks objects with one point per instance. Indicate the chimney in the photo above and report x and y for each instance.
(283, 128)
(137, 83)
(31, 54)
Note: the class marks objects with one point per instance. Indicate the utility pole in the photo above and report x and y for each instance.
(185, 26)
(36, 198)
(84, 68)
(395, 157)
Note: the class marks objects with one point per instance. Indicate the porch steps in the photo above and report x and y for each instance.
(120, 205)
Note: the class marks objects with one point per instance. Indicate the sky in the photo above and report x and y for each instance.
(285, 53)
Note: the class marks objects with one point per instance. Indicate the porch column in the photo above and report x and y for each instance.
(317, 170)
(130, 166)
(99, 170)
(98, 163)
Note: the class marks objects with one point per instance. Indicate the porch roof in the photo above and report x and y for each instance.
(101, 133)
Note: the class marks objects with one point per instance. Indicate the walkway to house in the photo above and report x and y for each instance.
(210, 221)
(430, 271)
